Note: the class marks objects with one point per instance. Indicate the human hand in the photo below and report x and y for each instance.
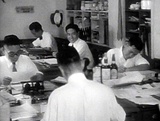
(47, 48)
(37, 77)
(121, 69)
(6, 81)
(54, 54)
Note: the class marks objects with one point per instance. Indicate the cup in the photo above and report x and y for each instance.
(26, 99)
(43, 107)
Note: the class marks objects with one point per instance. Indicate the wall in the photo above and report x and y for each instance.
(17, 23)
(113, 22)
(155, 29)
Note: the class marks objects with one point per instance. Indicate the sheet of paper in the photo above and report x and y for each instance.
(59, 79)
(16, 88)
(151, 91)
(125, 78)
(23, 111)
(49, 61)
(139, 94)
(149, 100)
(126, 93)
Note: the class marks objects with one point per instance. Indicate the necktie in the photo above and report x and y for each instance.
(14, 67)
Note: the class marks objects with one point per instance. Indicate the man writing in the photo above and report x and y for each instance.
(44, 39)
(128, 57)
(81, 99)
(14, 66)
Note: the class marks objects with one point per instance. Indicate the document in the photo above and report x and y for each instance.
(23, 111)
(59, 79)
(139, 94)
(149, 100)
(126, 78)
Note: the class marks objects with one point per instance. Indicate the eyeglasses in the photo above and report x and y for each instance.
(12, 54)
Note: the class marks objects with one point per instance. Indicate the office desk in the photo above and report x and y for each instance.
(28, 111)
(135, 96)
(135, 111)
(139, 104)
(49, 67)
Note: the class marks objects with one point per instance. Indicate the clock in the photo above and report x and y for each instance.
(56, 18)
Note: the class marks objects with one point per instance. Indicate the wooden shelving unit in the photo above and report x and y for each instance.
(93, 24)
(138, 22)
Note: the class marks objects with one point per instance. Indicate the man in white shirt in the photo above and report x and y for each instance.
(14, 66)
(80, 99)
(80, 45)
(44, 39)
(128, 57)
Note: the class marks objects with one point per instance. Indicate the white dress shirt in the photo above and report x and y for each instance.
(46, 41)
(83, 100)
(24, 65)
(121, 61)
(84, 51)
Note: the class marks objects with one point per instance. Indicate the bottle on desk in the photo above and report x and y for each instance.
(97, 71)
(105, 70)
(114, 68)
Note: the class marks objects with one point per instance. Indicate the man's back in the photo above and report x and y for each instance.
(83, 100)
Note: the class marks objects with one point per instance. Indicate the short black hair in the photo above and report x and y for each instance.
(11, 40)
(67, 56)
(35, 26)
(72, 26)
(137, 42)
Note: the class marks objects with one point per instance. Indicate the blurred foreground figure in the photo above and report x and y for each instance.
(81, 99)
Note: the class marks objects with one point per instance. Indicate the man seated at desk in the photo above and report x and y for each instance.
(44, 39)
(80, 45)
(80, 99)
(14, 66)
(128, 57)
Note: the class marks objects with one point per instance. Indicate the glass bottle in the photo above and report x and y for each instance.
(114, 68)
(105, 70)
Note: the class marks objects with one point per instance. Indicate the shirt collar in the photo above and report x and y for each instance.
(77, 78)
(9, 63)
(121, 52)
(75, 43)
(40, 38)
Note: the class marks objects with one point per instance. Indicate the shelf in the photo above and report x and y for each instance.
(96, 20)
(133, 21)
(89, 11)
(132, 10)
(132, 32)
(99, 44)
